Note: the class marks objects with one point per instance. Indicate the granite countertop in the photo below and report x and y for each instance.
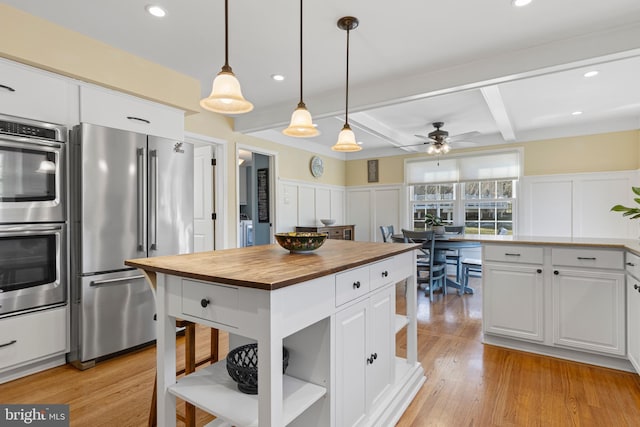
(270, 267)
(632, 245)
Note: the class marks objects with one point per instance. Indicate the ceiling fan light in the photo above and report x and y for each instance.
(346, 141)
(445, 148)
(226, 96)
(301, 124)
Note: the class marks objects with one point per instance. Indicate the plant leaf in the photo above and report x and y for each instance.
(636, 190)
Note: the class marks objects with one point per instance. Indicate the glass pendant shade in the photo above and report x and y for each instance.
(301, 125)
(346, 141)
(226, 95)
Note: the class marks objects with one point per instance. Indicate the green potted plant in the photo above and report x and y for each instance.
(435, 222)
(632, 213)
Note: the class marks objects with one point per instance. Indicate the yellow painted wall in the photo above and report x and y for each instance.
(617, 151)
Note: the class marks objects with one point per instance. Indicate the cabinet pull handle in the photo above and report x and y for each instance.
(139, 119)
(385, 273)
(204, 302)
(356, 285)
(556, 272)
(508, 254)
(539, 270)
(375, 356)
(587, 258)
(7, 344)
(9, 89)
(630, 264)
(371, 358)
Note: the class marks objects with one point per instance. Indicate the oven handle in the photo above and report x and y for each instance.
(14, 229)
(112, 281)
(21, 142)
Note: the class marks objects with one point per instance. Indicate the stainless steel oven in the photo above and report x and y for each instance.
(33, 271)
(32, 168)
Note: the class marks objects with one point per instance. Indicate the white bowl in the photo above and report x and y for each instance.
(328, 221)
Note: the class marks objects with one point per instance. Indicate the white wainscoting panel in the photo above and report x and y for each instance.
(386, 210)
(359, 212)
(304, 204)
(287, 207)
(547, 208)
(323, 204)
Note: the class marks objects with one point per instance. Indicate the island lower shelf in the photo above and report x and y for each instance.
(214, 391)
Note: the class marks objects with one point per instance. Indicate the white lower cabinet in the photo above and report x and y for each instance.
(365, 357)
(589, 310)
(31, 338)
(633, 309)
(513, 302)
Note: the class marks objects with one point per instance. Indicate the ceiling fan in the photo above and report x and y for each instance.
(439, 139)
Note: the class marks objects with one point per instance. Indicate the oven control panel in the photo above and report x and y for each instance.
(15, 128)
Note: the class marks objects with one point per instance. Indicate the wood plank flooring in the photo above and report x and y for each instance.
(468, 383)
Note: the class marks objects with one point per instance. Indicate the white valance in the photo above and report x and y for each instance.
(480, 167)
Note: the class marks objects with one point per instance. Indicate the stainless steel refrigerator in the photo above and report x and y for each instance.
(132, 197)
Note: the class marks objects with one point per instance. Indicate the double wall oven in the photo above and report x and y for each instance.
(33, 230)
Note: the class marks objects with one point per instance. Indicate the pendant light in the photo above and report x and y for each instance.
(301, 125)
(346, 138)
(226, 96)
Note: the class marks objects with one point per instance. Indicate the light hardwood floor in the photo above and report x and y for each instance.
(468, 383)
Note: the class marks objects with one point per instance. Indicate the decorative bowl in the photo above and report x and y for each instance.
(300, 242)
(328, 221)
(242, 366)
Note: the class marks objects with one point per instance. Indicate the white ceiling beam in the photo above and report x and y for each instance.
(375, 127)
(495, 103)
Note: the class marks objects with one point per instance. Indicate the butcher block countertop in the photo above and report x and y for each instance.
(270, 267)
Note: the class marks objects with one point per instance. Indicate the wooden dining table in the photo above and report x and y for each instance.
(443, 243)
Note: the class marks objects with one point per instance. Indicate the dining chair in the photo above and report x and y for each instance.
(387, 232)
(454, 256)
(469, 265)
(427, 270)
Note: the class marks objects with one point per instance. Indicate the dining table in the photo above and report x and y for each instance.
(444, 243)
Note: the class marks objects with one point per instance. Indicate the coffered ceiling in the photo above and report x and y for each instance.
(508, 74)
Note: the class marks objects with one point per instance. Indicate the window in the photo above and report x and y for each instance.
(488, 206)
(477, 191)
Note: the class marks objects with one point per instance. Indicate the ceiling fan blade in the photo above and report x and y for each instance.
(425, 137)
(464, 136)
(413, 145)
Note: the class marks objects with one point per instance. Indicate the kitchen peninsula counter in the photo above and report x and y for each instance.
(333, 309)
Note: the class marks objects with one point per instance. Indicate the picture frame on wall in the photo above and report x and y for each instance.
(372, 170)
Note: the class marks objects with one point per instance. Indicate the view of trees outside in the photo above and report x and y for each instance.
(487, 205)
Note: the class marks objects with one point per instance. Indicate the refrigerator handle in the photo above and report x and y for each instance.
(140, 199)
(153, 201)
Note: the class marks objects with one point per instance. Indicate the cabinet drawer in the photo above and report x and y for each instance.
(121, 111)
(381, 273)
(351, 284)
(633, 265)
(513, 253)
(29, 337)
(595, 258)
(217, 303)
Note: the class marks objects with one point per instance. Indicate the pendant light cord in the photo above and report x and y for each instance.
(301, 103)
(346, 107)
(226, 37)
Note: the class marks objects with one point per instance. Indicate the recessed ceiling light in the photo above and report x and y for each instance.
(592, 73)
(520, 3)
(277, 77)
(576, 113)
(156, 10)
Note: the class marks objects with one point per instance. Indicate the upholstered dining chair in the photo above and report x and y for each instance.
(387, 232)
(454, 257)
(428, 271)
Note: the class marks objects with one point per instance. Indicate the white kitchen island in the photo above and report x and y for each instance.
(333, 309)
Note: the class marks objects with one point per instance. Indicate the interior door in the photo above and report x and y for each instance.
(203, 224)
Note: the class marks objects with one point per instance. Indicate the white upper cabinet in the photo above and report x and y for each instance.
(117, 110)
(38, 95)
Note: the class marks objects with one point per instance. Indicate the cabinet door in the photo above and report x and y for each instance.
(351, 364)
(633, 321)
(381, 346)
(589, 310)
(513, 300)
(34, 94)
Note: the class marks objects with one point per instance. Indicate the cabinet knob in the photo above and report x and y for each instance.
(385, 273)
(556, 272)
(636, 287)
(630, 264)
(539, 270)
(204, 302)
(371, 358)
(356, 285)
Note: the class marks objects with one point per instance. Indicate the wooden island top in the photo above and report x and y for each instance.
(270, 267)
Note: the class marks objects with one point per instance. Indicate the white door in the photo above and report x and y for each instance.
(203, 230)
